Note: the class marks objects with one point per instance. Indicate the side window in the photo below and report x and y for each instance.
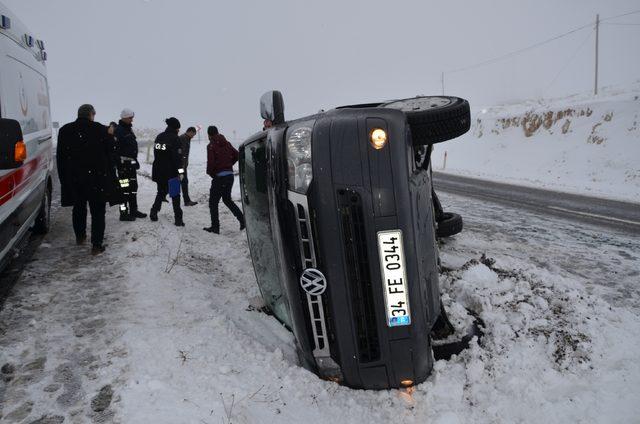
(25, 96)
(253, 168)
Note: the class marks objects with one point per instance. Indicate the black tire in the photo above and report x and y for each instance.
(434, 119)
(450, 225)
(444, 351)
(43, 221)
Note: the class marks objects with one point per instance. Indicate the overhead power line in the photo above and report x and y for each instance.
(541, 43)
(595, 25)
(620, 16)
(620, 24)
(570, 60)
(515, 52)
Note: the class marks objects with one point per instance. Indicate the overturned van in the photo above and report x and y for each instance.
(342, 231)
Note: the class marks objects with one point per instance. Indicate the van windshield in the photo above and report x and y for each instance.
(253, 169)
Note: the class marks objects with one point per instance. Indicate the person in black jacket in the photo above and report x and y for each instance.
(167, 165)
(127, 152)
(87, 174)
(185, 145)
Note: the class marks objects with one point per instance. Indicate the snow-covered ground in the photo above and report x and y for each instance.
(160, 329)
(580, 144)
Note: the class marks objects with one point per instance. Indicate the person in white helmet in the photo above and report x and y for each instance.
(127, 151)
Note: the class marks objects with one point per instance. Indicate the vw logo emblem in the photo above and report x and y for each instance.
(313, 282)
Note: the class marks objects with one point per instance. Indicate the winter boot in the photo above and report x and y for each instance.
(153, 215)
(125, 217)
(134, 209)
(97, 249)
(213, 230)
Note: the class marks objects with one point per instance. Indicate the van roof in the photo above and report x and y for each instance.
(18, 31)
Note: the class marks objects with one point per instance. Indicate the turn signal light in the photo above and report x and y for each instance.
(20, 152)
(378, 138)
(406, 383)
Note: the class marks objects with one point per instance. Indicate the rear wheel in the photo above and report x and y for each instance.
(450, 225)
(43, 221)
(447, 341)
(434, 119)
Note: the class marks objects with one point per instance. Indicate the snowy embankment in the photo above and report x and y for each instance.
(582, 144)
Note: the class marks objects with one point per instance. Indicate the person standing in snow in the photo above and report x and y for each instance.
(86, 172)
(221, 156)
(127, 152)
(167, 166)
(185, 144)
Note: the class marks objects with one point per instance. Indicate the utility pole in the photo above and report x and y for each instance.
(442, 82)
(595, 89)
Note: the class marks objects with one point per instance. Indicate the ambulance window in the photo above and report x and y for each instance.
(253, 164)
(25, 96)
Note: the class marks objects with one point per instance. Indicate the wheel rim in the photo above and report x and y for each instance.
(420, 103)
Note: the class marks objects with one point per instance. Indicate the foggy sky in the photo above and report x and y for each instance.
(208, 62)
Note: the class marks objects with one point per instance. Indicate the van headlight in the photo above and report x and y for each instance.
(299, 157)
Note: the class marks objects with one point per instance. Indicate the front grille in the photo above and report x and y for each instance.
(315, 304)
(359, 275)
(306, 248)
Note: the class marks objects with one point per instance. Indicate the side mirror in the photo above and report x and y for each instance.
(13, 151)
(272, 107)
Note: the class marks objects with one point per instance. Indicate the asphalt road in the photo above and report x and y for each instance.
(612, 214)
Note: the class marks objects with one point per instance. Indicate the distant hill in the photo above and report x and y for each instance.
(582, 144)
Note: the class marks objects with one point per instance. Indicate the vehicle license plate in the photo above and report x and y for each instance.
(394, 276)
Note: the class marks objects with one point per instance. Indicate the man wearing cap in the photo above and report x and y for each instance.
(127, 152)
(167, 167)
(86, 173)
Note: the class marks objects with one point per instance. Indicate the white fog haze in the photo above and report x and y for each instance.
(208, 62)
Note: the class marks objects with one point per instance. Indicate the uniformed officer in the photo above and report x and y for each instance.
(167, 167)
(127, 152)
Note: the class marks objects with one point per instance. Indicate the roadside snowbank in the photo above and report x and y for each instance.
(578, 144)
(551, 351)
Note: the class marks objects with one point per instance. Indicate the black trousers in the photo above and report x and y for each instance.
(185, 187)
(130, 193)
(221, 189)
(163, 190)
(79, 216)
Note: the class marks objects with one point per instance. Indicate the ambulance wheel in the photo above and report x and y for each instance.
(43, 221)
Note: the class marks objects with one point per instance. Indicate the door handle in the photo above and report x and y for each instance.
(44, 139)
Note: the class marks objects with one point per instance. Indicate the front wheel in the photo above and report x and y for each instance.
(43, 221)
(450, 225)
(434, 119)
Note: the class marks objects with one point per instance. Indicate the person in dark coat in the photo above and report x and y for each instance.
(221, 156)
(185, 144)
(127, 152)
(87, 174)
(167, 165)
